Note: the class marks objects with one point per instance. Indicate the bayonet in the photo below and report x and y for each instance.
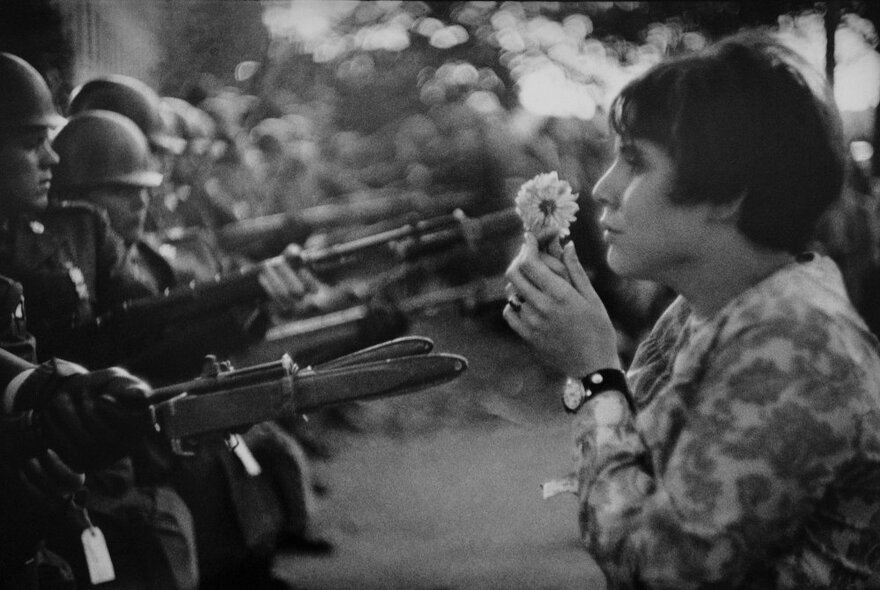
(228, 400)
(398, 348)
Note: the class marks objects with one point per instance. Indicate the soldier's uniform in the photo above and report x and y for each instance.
(147, 273)
(71, 266)
(258, 507)
(23, 516)
(14, 335)
(175, 352)
(69, 263)
(36, 529)
(237, 512)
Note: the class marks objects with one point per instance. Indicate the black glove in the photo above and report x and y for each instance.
(90, 419)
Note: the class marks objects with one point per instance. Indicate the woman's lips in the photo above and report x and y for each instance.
(609, 232)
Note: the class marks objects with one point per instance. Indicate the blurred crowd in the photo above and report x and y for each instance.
(135, 196)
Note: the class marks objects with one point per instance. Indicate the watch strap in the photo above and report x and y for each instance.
(578, 391)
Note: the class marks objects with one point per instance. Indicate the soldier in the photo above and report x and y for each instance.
(73, 267)
(63, 288)
(207, 198)
(104, 160)
(58, 421)
(34, 250)
(189, 204)
(139, 102)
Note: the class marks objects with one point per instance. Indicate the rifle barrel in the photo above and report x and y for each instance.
(499, 224)
(251, 235)
(227, 380)
(190, 300)
(413, 229)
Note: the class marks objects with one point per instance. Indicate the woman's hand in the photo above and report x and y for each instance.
(564, 320)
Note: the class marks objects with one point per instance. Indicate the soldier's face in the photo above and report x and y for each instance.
(26, 161)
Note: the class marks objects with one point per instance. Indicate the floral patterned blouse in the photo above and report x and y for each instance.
(753, 460)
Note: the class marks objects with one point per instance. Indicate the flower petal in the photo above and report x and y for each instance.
(546, 205)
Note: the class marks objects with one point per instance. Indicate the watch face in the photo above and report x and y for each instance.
(573, 395)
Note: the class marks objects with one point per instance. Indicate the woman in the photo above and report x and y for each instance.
(742, 447)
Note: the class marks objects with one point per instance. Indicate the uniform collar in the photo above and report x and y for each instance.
(30, 237)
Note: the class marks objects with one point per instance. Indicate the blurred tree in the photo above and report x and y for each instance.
(204, 41)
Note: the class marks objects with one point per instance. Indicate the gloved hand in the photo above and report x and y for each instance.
(47, 479)
(90, 419)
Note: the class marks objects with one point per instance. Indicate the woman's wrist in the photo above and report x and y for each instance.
(593, 364)
(603, 381)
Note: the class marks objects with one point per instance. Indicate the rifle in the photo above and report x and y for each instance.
(267, 235)
(226, 400)
(318, 338)
(123, 328)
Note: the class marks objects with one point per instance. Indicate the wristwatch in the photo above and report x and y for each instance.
(578, 391)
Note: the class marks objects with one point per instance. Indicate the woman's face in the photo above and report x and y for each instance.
(126, 206)
(648, 236)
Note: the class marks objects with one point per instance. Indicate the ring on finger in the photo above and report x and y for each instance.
(515, 302)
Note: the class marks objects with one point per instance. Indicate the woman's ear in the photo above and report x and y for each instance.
(727, 211)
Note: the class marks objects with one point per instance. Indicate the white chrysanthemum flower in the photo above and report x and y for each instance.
(547, 206)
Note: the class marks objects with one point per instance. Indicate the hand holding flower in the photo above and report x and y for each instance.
(564, 321)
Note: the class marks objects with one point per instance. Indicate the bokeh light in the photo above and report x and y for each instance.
(558, 67)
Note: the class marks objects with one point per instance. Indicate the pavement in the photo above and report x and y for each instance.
(440, 489)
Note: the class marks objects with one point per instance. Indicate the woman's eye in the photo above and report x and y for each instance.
(632, 158)
(634, 161)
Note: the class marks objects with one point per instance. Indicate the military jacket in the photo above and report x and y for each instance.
(68, 260)
(24, 515)
(168, 353)
(753, 460)
(146, 273)
(14, 336)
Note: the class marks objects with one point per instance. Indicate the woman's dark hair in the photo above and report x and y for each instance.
(746, 117)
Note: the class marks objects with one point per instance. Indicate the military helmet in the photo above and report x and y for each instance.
(99, 148)
(129, 97)
(25, 98)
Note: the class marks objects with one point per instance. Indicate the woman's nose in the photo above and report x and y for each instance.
(605, 191)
